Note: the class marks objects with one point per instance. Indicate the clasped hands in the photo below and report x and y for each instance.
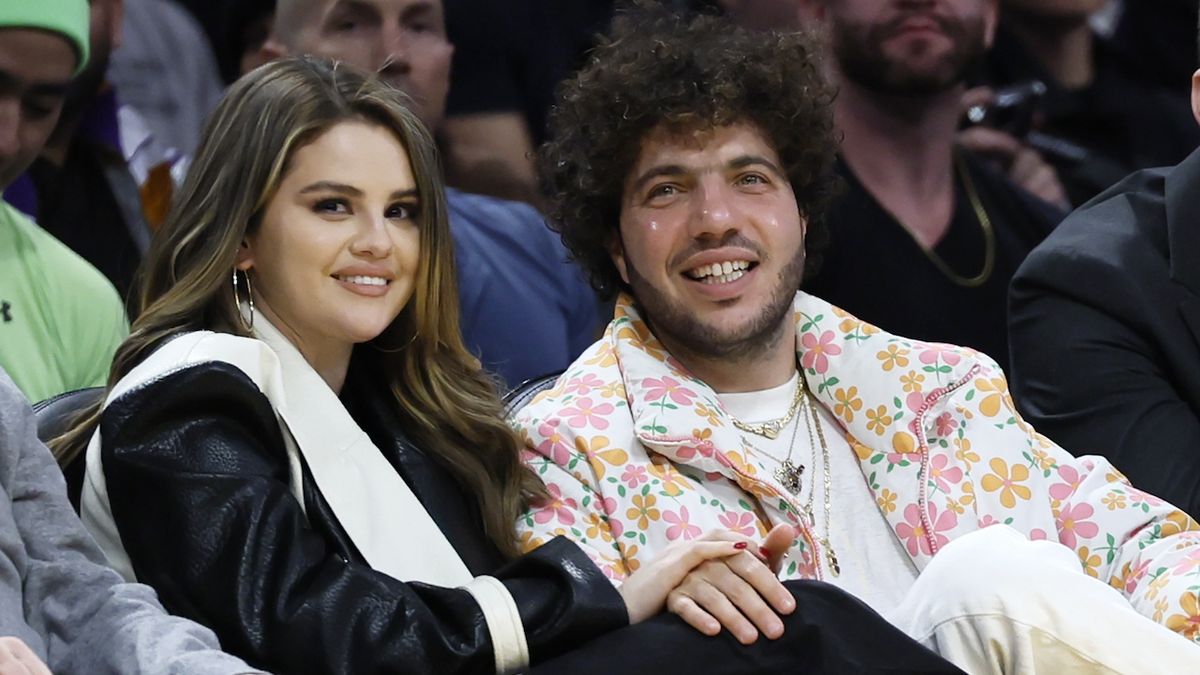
(721, 580)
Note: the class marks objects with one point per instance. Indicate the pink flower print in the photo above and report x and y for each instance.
(987, 521)
(1136, 496)
(1190, 562)
(1063, 491)
(634, 475)
(945, 424)
(942, 476)
(581, 386)
(556, 507)
(944, 353)
(914, 400)
(1038, 534)
(913, 533)
(554, 445)
(817, 350)
(1072, 521)
(585, 413)
(667, 387)
(742, 523)
(681, 527)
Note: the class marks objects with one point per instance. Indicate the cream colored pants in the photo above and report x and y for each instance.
(995, 602)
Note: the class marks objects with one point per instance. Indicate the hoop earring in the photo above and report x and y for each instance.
(237, 299)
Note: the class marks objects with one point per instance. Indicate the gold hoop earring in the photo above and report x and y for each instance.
(237, 300)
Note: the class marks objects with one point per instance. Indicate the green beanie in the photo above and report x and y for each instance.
(68, 17)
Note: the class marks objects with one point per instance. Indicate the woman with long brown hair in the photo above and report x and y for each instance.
(295, 448)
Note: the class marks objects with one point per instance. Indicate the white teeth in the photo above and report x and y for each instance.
(721, 269)
(365, 281)
(723, 278)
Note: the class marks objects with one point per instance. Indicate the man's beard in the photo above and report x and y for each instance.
(677, 327)
(859, 51)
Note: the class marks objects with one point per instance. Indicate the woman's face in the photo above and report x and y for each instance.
(334, 259)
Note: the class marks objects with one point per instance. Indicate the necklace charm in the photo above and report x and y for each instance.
(831, 557)
(788, 474)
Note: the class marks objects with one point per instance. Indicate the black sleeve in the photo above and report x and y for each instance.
(198, 485)
(1086, 373)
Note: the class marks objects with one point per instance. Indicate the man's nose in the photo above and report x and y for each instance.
(10, 124)
(715, 212)
(396, 49)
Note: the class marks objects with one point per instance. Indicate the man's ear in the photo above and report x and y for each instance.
(616, 250)
(271, 50)
(116, 18)
(1196, 95)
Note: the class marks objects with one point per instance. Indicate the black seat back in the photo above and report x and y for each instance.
(519, 396)
(54, 416)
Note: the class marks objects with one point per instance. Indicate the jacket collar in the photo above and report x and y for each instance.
(1183, 221)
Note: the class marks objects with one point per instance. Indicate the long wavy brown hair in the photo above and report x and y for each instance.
(448, 402)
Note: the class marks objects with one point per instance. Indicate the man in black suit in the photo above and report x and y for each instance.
(1104, 324)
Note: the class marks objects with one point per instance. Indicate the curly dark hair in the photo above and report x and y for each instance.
(686, 71)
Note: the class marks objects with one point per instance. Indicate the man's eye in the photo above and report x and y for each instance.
(338, 206)
(752, 179)
(38, 110)
(663, 191)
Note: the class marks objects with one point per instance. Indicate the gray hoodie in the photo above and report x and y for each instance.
(56, 593)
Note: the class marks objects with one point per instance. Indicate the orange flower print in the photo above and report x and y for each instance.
(913, 381)
(527, 542)
(630, 553)
(1188, 623)
(597, 528)
(643, 511)
(709, 415)
(818, 350)
(673, 482)
(1007, 481)
(892, 357)
(612, 390)
(1091, 562)
(1160, 609)
(604, 357)
(878, 420)
(1044, 461)
(963, 452)
(994, 389)
(1113, 500)
(847, 404)
(600, 456)
(886, 500)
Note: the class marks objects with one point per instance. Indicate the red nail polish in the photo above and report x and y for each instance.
(766, 552)
(740, 545)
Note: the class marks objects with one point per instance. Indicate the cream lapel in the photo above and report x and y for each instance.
(372, 502)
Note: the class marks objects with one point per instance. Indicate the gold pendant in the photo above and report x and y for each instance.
(788, 475)
(833, 561)
(771, 431)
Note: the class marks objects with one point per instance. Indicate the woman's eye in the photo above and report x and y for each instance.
(332, 206)
(402, 211)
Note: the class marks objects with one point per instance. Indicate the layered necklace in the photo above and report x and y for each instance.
(789, 473)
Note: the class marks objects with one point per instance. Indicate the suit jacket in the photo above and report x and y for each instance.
(1105, 331)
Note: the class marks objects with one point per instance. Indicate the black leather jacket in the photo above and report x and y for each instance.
(198, 484)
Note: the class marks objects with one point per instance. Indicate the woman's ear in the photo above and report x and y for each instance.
(245, 257)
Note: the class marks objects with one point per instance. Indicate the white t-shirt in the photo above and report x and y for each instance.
(874, 565)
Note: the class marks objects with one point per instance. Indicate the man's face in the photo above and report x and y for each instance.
(404, 40)
(908, 46)
(35, 71)
(711, 240)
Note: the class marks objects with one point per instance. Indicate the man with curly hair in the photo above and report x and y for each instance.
(690, 166)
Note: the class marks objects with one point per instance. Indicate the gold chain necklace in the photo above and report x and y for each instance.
(813, 420)
(787, 473)
(770, 429)
(989, 236)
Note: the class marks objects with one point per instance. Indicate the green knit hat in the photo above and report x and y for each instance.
(68, 17)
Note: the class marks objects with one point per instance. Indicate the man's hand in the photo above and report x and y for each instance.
(1023, 165)
(16, 658)
(722, 580)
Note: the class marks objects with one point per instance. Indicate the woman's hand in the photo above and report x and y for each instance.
(16, 658)
(717, 582)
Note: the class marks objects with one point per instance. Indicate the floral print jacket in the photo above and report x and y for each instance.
(637, 454)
